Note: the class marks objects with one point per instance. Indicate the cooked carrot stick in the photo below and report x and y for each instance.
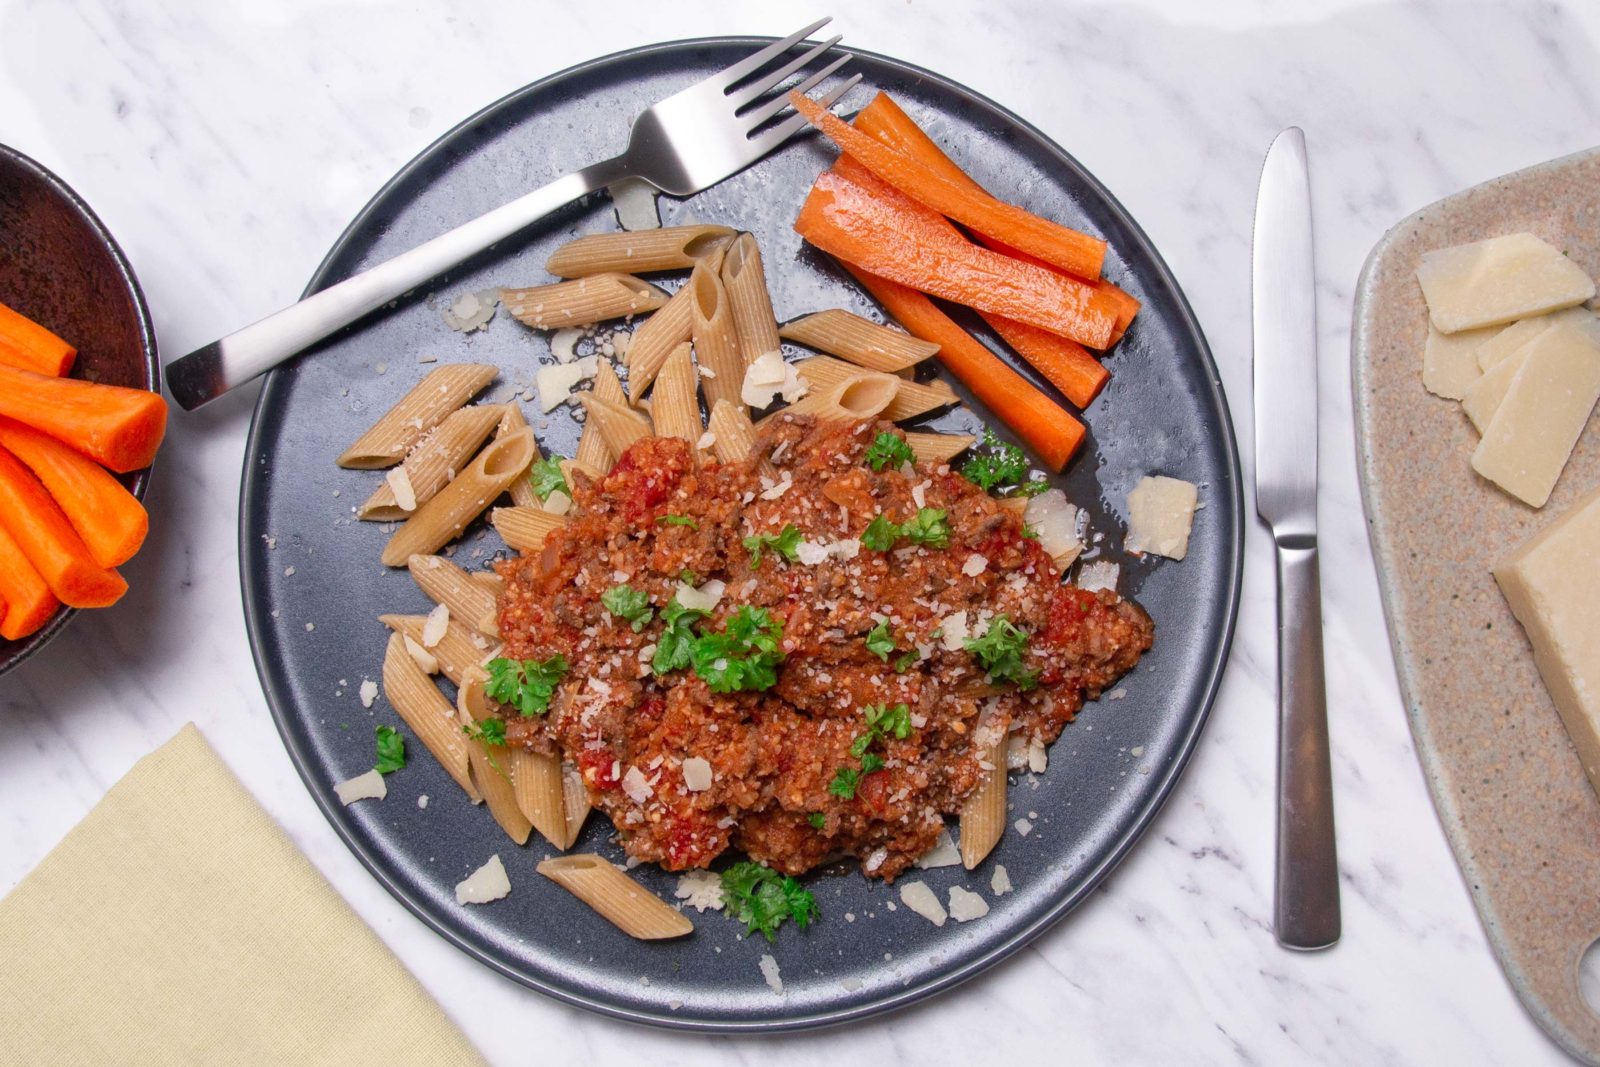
(28, 600)
(48, 540)
(1067, 249)
(1067, 365)
(882, 237)
(108, 517)
(26, 344)
(118, 428)
(1047, 427)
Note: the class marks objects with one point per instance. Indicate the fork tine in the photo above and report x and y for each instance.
(754, 90)
(778, 103)
(786, 129)
(745, 67)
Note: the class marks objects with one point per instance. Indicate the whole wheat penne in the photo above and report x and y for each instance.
(912, 398)
(861, 341)
(1014, 504)
(536, 780)
(521, 489)
(442, 391)
(745, 282)
(983, 814)
(432, 464)
(570, 468)
(471, 491)
(657, 336)
(593, 452)
(676, 410)
(733, 436)
(490, 581)
(619, 424)
(716, 345)
(458, 654)
(582, 302)
(471, 602)
(430, 716)
(627, 904)
(574, 802)
(637, 252)
(491, 764)
(936, 448)
(525, 529)
(863, 395)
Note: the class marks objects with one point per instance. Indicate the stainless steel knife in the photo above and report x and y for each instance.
(1284, 315)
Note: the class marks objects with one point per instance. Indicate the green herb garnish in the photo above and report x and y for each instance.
(844, 783)
(674, 648)
(817, 820)
(1000, 651)
(884, 720)
(678, 520)
(871, 762)
(889, 450)
(744, 656)
(628, 603)
(489, 731)
(547, 478)
(904, 663)
(526, 685)
(1001, 466)
(762, 899)
(880, 641)
(391, 750)
(785, 543)
(928, 528)
(880, 534)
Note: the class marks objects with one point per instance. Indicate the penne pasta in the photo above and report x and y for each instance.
(458, 654)
(912, 398)
(471, 602)
(676, 408)
(627, 904)
(432, 464)
(428, 403)
(938, 448)
(637, 252)
(1014, 504)
(570, 468)
(574, 802)
(536, 781)
(983, 814)
(490, 581)
(733, 435)
(657, 336)
(491, 765)
(716, 346)
(745, 282)
(593, 452)
(463, 499)
(582, 302)
(525, 529)
(521, 489)
(619, 424)
(863, 395)
(430, 716)
(858, 340)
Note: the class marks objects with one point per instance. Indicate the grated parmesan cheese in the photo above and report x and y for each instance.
(975, 565)
(557, 380)
(700, 890)
(369, 692)
(769, 971)
(564, 344)
(922, 900)
(704, 598)
(434, 628)
(696, 774)
(369, 786)
(485, 884)
(1000, 881)
(965, 905)
(636, 786)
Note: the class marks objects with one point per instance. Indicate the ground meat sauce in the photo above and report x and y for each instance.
(773, 753)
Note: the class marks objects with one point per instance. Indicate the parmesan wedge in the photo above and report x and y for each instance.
(1499, 280)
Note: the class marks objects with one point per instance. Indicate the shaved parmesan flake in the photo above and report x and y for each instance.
(1038, 757)
(635, 201)
(942, 854)
(367, 786)
(423, 658)
(784, 483)
(400, 485)
(1000, 881)
(1160, 513)
(471, 311)
(1023, 827)
(700, 890)
(369, 692)
(965, 905)
(696, 774)
(1101, 574)
(707, 439)
(769, 971)
(556, 380)
(954, 631)
(1056, 522)
(564, 344)
(487, 883)
(636, 786)
(704, 598)
(975, 565)
(922, 900)
(434, 628)
(557, 503)
(769, 377)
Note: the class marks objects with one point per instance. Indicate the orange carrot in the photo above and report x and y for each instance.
(1047, 427)
(26, 344)
(108, 517)
(28, 600)
(118, 428)
(1067, 249)
(1067, 365)
(874, 233)
(46, 536)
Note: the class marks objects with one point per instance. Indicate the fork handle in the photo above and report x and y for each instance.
(207, 373)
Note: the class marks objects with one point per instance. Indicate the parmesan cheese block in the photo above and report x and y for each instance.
(1483, 396)
(1553, 586)
(1160, 514)
(1450, 361)
(1504, 278)
(1528, 441)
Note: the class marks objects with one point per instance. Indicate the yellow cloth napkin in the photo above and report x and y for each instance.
(177, 924)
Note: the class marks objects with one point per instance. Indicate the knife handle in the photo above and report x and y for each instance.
(1308, 867)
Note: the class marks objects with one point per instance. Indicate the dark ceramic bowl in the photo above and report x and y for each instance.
(60, 267)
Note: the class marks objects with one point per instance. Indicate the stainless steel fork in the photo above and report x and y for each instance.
(687, 142)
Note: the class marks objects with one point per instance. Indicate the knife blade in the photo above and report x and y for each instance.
(1284, 320)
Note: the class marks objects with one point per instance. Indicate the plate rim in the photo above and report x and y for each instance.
(1015, 939)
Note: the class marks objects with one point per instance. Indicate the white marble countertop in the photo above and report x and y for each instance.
(226, 146)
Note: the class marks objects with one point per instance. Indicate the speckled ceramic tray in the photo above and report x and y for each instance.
(1519, 813)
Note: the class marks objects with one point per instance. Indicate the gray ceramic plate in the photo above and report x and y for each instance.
(315, 634)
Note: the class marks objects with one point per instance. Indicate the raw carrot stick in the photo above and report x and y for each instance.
(877, 235)
(26, 344)
(48, 540)
(28, 600)
(108, 517)
(118, 428)
(1047, 427)
(1067, 365)
(1067, 249)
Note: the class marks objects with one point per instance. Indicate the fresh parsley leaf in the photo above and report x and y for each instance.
(489, 731)
(1031, 487)
(1030, 532)
(904, 663)
(674, 648)
(785, 542)
(688, 577)
(763, 899)
(391, 750)
(880, 641)
(844, 783)
(928, 528)
(871, 762)
(880, 534)
(886, 720)
(1001, 466)
(889, 450)
(859, 746)
(526, 685)
(678, 520)
(744, 656)
(817, 820)
(628, 603)
(547, 478)
(1000, 651)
